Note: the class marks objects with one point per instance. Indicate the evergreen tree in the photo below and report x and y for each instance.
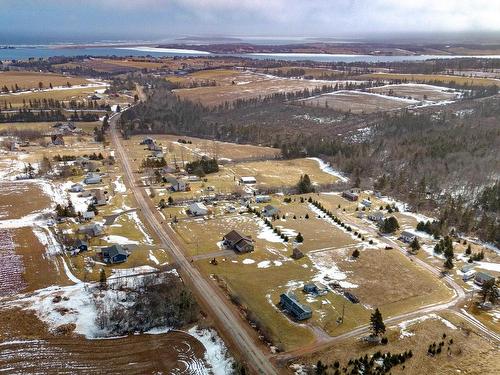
(377, 323)
(305, 185)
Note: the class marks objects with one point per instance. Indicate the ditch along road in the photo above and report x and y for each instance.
(452, 306)
(217, 306)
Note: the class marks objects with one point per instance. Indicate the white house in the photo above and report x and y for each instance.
(376, 216)
(198, 209)
(248, 180)
(76, 188)
(262, 199)
(407, 237)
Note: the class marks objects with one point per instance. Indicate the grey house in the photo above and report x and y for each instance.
(290, 304)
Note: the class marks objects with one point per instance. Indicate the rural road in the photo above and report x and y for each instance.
(234, 326)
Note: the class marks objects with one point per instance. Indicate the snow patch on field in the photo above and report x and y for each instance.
(216, 353)
(327, 168)
(119, 185)
(328, 270)
(147, 238)
(120, 240)
(267, 233)
(403, 326)
(248, 261)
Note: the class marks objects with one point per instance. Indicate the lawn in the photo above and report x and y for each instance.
(425, 78)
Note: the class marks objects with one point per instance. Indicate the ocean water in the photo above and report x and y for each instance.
(24, 53)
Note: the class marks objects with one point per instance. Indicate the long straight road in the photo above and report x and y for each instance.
(234, 326)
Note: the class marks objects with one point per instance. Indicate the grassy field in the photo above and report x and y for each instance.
(421, 78)
(47, 126)
(232, 85)
(468, 354)
(31, 80)
(415, 91)
(356, 102)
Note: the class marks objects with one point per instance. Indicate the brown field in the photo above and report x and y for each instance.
(246, 85)
(27, 347)
(422, 78)
(18, 101)
(316, 73)
(469, 353)
(30, 80)
(415, 91)
(282, 172)
(356, 102)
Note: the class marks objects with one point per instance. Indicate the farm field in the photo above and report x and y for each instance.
(357, 102)
(417, 91)
(246, 85)
(31, 80)
(423, 78)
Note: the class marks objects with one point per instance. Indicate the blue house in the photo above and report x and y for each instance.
(290, 304)
(114, 254)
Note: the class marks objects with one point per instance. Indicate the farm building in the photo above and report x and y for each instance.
(262, 198)
(290, 304)
(482, 277)
(114, 254)
(76, 188)
(270, 211)
(350, 196)
(376, 216)
(92, 178)
(238, 242)
(248, 180)
(407, 237)
(198, 209)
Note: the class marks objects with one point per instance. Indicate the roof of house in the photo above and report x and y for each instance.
(247, 179)
(198, 206)
(235, 237)
(269, 208)
(484, 276)
(114, 250)
(292, 300)
(406, 233)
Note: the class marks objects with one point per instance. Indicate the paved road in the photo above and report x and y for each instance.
(235, 327)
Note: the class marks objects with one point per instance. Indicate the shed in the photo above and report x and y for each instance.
(297, 254)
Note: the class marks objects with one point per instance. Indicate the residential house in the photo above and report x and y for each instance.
(262, 199)
(469, 275)
(407, 236)
(269, 211)
(350, 196)
(76, 188)
(92, 178)
(114, 254)
(248, 180)
(99, 197)
(92, 230)
(179, 185)
(198, 209)
(238, 242)
(376, 216)
(482, 277)
(88, 215)
(367, 203)
(297, 310)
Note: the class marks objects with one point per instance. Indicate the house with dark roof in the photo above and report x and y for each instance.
(290, 305)
(350, 196)
(114, 254)
(92, 230)
(238, 242)
(407, 236)
(482, 278)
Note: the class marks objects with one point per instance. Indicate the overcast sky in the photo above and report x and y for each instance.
(156, 19)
